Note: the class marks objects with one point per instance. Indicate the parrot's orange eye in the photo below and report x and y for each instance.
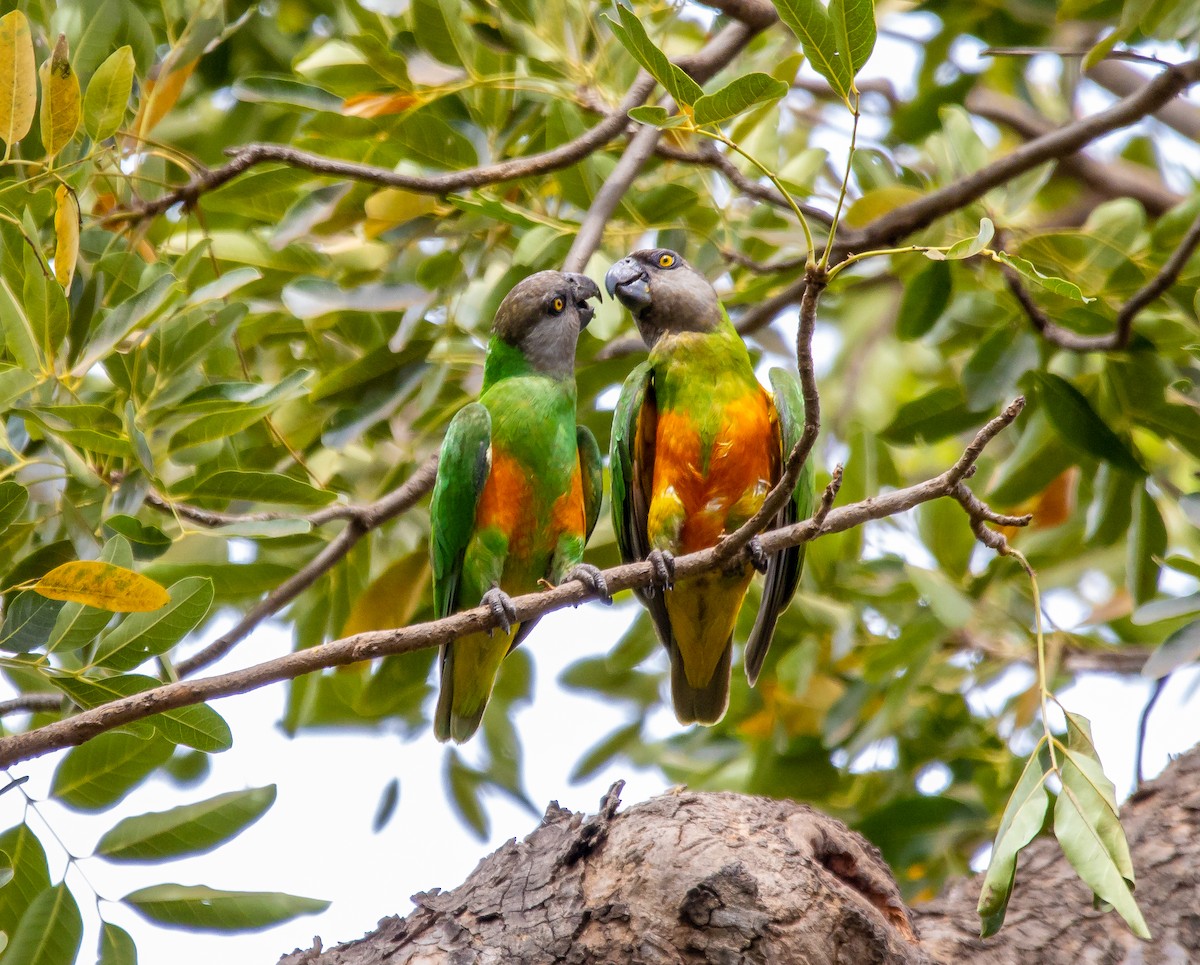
(666, 261)
(558, 305)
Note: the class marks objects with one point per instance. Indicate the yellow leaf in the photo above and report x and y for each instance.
(393, 206)
(18, 81)
(874, 204)
(60, 99)
(104, 586)
(377, 105)
(160, 93)
(393, 598)
(66, 230)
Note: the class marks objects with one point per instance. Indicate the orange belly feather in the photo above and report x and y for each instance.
(743, 463)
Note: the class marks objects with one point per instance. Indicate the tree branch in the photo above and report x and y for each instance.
(31, 704)
(246, 157)
(1116, 179)
(366, 519)
(87, 724)
(717, 54)
(1123, 80)
(897, 224)
(1122, 332)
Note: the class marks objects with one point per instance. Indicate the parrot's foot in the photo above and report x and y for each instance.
(591, 577)
(758, 556)
(501, 605)
(663, 564)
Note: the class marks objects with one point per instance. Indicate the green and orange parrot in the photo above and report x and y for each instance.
(696, 445)
(518, 487)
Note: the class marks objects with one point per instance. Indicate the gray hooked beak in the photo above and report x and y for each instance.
(628, 283)
(583, 288)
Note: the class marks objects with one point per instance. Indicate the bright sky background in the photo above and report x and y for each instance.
(317, 840)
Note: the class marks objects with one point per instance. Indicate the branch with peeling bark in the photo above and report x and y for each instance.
(371, 645)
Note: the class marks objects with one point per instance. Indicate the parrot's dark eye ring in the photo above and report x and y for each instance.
(557, 305)
(666, 260)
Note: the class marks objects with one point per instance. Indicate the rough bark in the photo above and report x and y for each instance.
(681, 878)
(724, 878)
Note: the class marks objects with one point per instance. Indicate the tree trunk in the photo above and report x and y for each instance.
(725, 878)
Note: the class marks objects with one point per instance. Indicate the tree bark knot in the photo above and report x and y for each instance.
(683, 878)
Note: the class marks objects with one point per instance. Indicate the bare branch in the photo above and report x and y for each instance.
(366, 518)
(897, 224)
(87, 724)
(244, 158)
(1123, 80)
(1115, 179)
(31, 704)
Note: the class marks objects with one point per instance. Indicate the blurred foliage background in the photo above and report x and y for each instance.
(290, 340)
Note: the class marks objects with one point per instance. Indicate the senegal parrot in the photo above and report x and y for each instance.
(518, 487)
(696, 445)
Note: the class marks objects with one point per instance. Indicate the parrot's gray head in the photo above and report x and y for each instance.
(663, 293)
(543, 316)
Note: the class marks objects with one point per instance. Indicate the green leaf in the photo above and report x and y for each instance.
(13, 499)
(969, 247)
(123, 319)
(1060, 286)
(206, 909)
(187, 830)
(1147, 545)
(19, 334)
(143, 635)
(116, 946)
(925, 299)
(656, 116)
(738, 96)
(107, 97)
(222, 417)
(50, 932)
(1087, 829)
(634, 38)
(197, 726)
(854, 24)
(1079, 426)
(256, 487)
(277, 89)
(1020, 824)
(28, 622)
(464, 784)
(936, 415)
(604, 750)
(387, 805)
(31, 874)
(96, 775)
(814, 27)
(148, 542)
(1179, 649)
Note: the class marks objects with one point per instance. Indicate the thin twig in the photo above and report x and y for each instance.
(87, 724)
(367, 518)
(781, 492)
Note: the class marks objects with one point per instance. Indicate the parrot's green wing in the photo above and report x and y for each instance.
(463, 469)
(592, 473)
(631, 460)
(783, 571)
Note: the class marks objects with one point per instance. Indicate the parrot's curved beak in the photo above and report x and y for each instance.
(584, 288)
(628, 283)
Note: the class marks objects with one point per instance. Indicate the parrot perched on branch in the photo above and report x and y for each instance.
(518, 487)
(696, 445)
